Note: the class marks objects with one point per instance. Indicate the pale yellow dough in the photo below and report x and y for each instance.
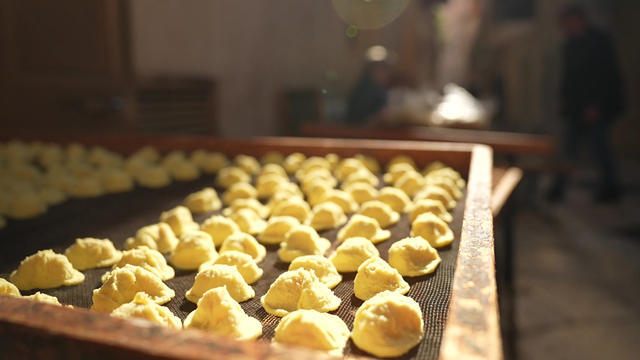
(313, 330)
(89, 253)
(220, 228)
(363, 226)
(219, 275)
(376, 275)
(296, 207)
(262, 210)
(193, 249)
(143, 307)
(245, 243)
(230, 175)
(273, 169)
(241, 190)
(317, 191)
(369, 162)
(149, 259)
(115, 180)
(436, 193)
(322, 267)
(277, 228)
(45, 270)
(388, 325)
(361, 192)
(395, 198)
(26, 205)
(293, 162)
(245, 264)
(361, 176)
(152, 176)
(342, 199)
(410, 182)
(180, 220)
(7, 288)
(401, 159)
(85, 187)
(213, 162)
(302, 240)
(122, 285)
(158, 236)
(353, 252)
(183, 170)
(347, 167)
(203, 201)
(44, 298)
(247, 163)
(219, 314)
(447, 184)
(395, 172)
(248, 221)
(326, 216)
(433, 229)
(272, 157)
(380, 211)
(413, 256)
(429, 205)
(268, 184)
(298, 289)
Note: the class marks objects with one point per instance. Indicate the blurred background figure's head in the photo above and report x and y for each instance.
(574, 20)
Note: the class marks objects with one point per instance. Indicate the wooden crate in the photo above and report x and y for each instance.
(471, 329)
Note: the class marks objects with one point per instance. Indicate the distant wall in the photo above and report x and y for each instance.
(254, 49)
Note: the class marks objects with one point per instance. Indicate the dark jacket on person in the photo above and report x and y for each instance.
(366, 99)
(591, 76)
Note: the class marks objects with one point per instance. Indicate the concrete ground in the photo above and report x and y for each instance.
(577, 276)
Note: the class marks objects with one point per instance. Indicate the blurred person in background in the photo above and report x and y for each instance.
(591, 98)
(368, 97)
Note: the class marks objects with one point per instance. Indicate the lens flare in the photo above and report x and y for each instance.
(369, 14)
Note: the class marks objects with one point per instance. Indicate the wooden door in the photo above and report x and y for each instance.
(65, 65)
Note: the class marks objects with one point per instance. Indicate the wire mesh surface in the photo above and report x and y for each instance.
(119, 216)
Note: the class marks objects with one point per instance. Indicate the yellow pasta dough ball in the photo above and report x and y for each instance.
(411, 182)
(143, 307)
(180, 220)
(396, 171)
(448, 173)
(433, 229)
(376, 275)
(435, 165)
(302, 240)
(369, 162)
(347, 167)
(363, 226)
(212, 162)
(313, 330)
(380, 211)
(239, 190)
(388, 325)
(43, 298)
(248, 221)
(203, 201)
(429, 205)
(293, 162)
(231, 175)
(45, 270)
(158, 236)
(245, 243)
(51, 195)
(7, 288)
(361, 176)
(273, 169)
(89, 253)
(220, 228)
(268, 184)
(277, 228)
(361, 192)
(436, 193)
(322, 267)
(247, 163)
(26, 205)
(298, 289)
(184, 170)
(295, 207)
(152, 176)
(413, 256)
(219, 275)
(245, 264)
(122, 285)
(396, 198)
(352, 253)
(220, 314)
(115, 180)
(193, 249)
(401, 159)
(342, 199)
(272, 157)
(326, 216)
(85, 187)
(317, 192)
(447, 184)
(262, 210)
(146, 258)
